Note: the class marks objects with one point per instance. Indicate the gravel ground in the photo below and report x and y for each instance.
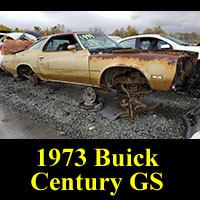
(58, 104)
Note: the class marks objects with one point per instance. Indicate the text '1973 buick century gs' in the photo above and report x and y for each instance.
(98, 61)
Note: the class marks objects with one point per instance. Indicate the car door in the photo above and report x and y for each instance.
(145, 43)
(58, 63)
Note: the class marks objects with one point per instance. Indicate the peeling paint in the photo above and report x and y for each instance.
(11, 46)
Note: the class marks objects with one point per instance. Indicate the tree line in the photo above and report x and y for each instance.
(59, 28)
(192, 38)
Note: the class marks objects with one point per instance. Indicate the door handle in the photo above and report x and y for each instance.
(41, 57)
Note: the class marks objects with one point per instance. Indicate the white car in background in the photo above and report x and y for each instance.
(15, 36)
(157, 42)
(1, 35)
(115, 38)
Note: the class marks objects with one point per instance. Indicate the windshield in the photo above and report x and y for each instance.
(175, 40)
(97, 41)
(37, 45)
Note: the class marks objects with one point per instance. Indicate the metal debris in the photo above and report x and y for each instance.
(89, 95)
(113, 110)
(192, 121)
(92, 128)
(195, 93)
(90, 101)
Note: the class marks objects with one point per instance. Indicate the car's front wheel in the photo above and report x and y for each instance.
(27, 73)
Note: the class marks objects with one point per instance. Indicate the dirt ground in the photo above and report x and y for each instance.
(16, 126)
(52, 111)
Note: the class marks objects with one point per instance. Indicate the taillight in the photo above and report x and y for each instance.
(1, 46)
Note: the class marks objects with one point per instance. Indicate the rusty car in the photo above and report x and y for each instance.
(98, 61)
(12, 42)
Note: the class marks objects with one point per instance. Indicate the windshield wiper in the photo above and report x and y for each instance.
(17, 51)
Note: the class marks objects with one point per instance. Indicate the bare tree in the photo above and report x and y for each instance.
(96, 29)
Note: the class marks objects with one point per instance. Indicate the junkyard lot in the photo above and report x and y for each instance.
(112, 69)
(57, 104)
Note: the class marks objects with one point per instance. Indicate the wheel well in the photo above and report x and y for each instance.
(111, 73)
(23, 69)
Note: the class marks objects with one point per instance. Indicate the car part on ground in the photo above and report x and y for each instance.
(89, 100)
(192, 120)
(195, 93)
(196, 135)
(89, 95)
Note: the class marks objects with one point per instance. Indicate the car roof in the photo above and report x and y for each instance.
(75, 32)
(143, 35)
(14, 35)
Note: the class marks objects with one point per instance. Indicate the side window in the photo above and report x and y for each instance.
(151, 43)
(131, 43)
(161, 43)
(57, 45)
(61, 43)
(144, 44)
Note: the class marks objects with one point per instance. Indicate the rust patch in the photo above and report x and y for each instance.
(145, 55)
(141, 55)
(11, 46)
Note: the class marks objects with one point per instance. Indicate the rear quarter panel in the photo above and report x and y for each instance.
(12, 62)
(148, 63)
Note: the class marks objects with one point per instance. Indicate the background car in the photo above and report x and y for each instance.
(115, 38)
(157, 42)
(1, 35)
(37, 35)
(15, 36)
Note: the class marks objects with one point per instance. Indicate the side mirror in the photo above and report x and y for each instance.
(165, 46)
(71, 48)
